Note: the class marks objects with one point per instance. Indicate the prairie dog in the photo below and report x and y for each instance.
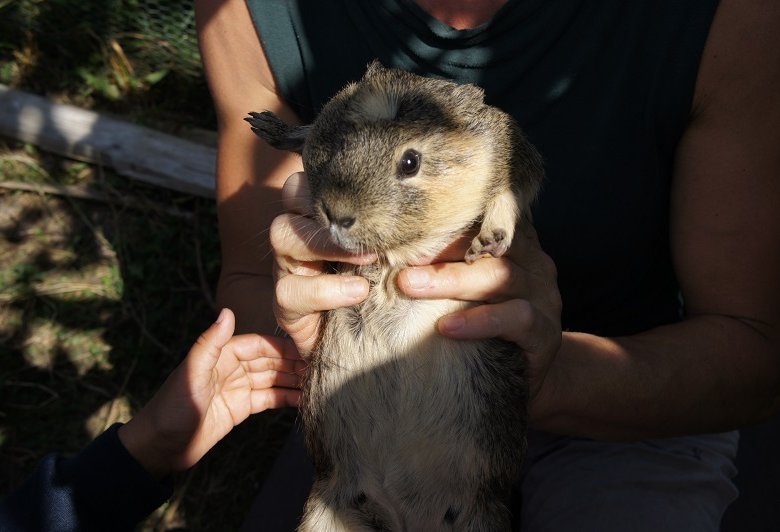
(409, 430)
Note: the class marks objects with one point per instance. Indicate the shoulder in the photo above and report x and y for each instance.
(233, 58)
(740, 66)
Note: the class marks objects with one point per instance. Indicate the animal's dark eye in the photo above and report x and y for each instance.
(409, 164)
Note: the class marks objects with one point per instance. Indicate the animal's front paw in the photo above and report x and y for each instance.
(494, 242)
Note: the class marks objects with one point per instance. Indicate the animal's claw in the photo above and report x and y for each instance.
(493, 243)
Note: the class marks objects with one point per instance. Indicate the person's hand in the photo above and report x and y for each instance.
(522, 303)
(520, 292)
(223, 380)
(301, 248)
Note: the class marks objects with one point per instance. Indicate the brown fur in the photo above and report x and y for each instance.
(410, 430)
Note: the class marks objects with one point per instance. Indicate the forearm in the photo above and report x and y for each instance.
(250, 297)
(141, 441)
(101, 488)
(245, 215)
(705, 374)
(250, 173)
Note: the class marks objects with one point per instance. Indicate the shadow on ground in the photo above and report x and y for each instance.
(98, 303)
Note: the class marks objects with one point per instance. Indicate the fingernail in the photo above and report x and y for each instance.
(417, 277)
(352, 288)
(451, 324)
(221, 316)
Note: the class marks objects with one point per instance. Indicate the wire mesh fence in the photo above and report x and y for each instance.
(157, 34)
(104, 52)
(160, 33)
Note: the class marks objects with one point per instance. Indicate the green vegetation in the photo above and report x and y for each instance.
(137, 58)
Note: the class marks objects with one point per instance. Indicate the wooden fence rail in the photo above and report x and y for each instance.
(133, 151)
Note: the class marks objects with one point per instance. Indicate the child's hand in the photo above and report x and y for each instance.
(219, 384)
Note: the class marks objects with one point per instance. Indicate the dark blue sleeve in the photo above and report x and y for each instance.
(101, 488)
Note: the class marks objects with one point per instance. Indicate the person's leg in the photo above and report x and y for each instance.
(758, 481)
(278, 506)
(676, 484)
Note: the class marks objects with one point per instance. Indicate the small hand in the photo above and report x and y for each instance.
(301, 248)
(222, 381)
(522, 303)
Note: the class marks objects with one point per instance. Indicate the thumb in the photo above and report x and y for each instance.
(205, 353)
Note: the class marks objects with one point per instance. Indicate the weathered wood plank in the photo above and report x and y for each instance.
(133, 151)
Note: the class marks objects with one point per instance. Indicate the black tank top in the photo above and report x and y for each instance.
(602, 88)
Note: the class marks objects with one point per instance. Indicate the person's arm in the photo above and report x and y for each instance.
(101, 488)
(222, 381)
(719, 368)
(249, 173)
(121, 476)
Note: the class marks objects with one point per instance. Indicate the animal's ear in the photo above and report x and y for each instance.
(374, 68)
(278, 134)
(468, 95)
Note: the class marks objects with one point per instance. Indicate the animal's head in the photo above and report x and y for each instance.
(397, 163)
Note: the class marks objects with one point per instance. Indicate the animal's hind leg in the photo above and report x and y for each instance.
(324, 512)
(278, 134)
(493, 516)
(318, 516)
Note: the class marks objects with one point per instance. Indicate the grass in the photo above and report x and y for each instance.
(100, 298)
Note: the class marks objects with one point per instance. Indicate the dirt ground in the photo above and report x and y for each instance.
(99, 300)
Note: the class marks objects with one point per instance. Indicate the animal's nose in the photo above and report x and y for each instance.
(344, 222)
